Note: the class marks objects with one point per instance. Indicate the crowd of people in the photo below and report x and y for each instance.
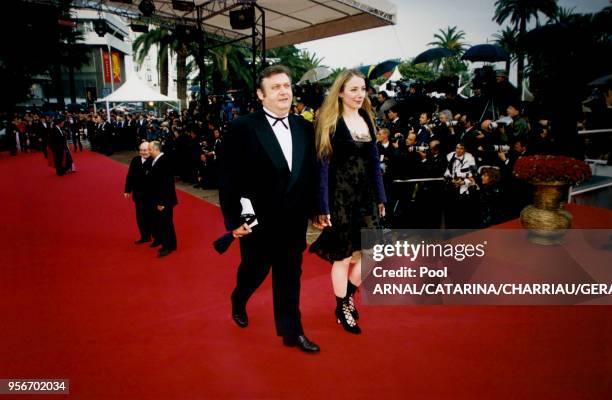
(192, 146)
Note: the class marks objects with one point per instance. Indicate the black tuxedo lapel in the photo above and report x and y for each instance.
(298, 147)
(266, 136)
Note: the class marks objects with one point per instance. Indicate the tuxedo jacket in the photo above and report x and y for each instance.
(253, 166)
(161, 183)
(136, 180)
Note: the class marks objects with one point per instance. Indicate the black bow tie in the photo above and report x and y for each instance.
(277, 120)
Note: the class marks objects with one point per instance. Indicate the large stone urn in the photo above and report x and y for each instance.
(546, 219)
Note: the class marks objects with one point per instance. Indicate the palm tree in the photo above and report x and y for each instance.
(562, 15)
(161, 38)
(507, 38)
(298, 61)
(520, 12)
(451, 39)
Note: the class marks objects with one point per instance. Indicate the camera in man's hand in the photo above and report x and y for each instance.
(504, 148)
(415, 148)
(398, 137)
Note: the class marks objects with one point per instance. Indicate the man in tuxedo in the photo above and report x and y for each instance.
(395, 124)
(137, 188)
(268, 160)
(163, 197)
(61, 157)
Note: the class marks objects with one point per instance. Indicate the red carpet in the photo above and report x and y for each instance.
(80, 301)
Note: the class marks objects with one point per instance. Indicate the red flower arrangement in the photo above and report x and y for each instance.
(552, 169)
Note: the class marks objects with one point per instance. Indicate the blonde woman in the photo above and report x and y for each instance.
(351, 193)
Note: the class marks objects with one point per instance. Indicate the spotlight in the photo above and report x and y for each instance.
(139, 28)
(185, 33)
(243, 18)
(182, 5)
(100, 27)
(146, 7)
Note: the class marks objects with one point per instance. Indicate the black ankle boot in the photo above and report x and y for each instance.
(350, 294)
(344, 316)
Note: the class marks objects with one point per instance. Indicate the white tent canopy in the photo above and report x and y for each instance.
(286, 21)
(133, 91)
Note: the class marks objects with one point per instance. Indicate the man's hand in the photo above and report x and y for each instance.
(502, 156)
(160, 208)
(381, 210)
(243, 230)
(126, 195)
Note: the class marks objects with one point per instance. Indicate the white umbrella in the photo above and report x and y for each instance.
(316, 74)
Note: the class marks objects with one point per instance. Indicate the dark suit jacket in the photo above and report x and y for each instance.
(253, 166)
(161, 183)
(136, 179)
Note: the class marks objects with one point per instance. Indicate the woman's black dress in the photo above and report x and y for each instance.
(353, 197)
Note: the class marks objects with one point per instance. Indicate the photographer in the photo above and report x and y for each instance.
(541, 141)
(491, 144)
(490, 196)
(435, 163)
(519, 127)
(461, 211)
(444, 130)
(518, 191)
(430, 198)
(394, 123)
(407, 157)
(385, 104)
(424, 132)
(471, 134)
(385, 151)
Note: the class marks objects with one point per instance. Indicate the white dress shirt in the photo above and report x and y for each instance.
(283, 135)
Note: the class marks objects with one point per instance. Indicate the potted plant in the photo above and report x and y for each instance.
(546, 219)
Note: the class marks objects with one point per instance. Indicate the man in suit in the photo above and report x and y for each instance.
(163, 196)
(137, 188)
(61, 157)
(268, 159)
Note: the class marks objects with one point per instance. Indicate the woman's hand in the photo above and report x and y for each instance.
(321, 221)
(381, 210)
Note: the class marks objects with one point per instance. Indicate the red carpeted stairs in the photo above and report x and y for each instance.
(79, 300)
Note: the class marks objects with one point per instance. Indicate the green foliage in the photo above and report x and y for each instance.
(451, 39)
(519, 12)
(419, 72)
(298, 61)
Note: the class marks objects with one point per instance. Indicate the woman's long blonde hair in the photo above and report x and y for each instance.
(332, 110)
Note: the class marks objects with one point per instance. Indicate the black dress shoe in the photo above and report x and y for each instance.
(141, 241)
(240, 316)
(155, 243)
(241, 319)
(164, 252)
(302, 342)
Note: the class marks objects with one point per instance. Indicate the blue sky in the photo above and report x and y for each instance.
(417, 21)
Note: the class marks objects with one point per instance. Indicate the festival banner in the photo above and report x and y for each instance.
(106, 66)
(116, 62)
